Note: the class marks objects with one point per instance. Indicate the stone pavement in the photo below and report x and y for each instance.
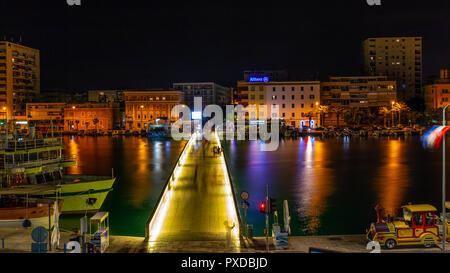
(19, 241)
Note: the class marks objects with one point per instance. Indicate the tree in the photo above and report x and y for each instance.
(95, 121)
(399, 107)
(323, 110)
(384, 111)
(338, 111)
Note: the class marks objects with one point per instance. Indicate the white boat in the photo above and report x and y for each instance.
(17, 210)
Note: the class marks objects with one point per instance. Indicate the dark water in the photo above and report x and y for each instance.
(331, 185)
(141, 167)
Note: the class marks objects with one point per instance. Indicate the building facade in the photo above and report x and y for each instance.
(297, 102)
(437, 94)
(210, 92)
(46, 115)
(358, 92)
(91, 116)
(19, 78)
(143, 107)
(398, 58)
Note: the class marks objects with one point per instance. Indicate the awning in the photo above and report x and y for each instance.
(99, 217)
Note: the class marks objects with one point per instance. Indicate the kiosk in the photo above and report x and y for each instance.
(100, 239)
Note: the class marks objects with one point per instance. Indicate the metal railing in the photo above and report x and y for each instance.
(37, 162)
(18, 145)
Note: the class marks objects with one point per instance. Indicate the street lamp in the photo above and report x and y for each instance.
(444, 228)
(392, 113)
(320, 121)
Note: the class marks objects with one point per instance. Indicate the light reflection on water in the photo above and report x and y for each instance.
(141, 167)
(332, 185)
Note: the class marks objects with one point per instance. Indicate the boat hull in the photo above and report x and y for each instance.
(38, 216)
(82, 196)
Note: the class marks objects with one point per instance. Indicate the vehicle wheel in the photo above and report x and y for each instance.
(390, 244)
(427, 245)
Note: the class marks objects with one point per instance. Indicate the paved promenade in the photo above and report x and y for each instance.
(199, 208)
(19, 241)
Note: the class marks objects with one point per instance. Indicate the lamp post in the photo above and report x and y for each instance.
(320, 120)
(444, 228)
(392, 113)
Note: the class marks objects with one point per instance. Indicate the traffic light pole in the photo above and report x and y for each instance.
(267, 218)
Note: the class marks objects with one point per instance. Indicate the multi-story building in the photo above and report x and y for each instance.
(297, 102)
(398, 58)
(210, 92)
(91, 116)
(46, 115)
(19, 78)
(362, 92)
(143, 107)
(105, 95)
(437, 94)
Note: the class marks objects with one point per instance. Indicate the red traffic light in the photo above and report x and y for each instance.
(262, 207)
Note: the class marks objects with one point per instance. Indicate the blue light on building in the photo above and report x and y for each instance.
(258, 79)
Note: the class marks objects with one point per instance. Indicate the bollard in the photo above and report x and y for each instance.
(65, 247)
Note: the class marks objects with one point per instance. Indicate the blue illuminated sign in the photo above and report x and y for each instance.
(259, 79)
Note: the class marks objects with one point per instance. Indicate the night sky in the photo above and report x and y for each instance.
(140, 45)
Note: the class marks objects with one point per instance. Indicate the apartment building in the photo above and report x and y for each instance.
(46, 115)
(358, 92)
(143, 107)
(297, 102)
(398, 58)
(210, 92)
(19, 78)
(437, 94)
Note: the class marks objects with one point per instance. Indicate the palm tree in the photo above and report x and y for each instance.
(95, 121)
(338, 110)
(323, 110)
(399, 107)
(384, 111)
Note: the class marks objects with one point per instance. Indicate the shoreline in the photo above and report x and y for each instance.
(19, 241)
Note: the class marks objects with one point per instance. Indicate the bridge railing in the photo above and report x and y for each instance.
(236, 204)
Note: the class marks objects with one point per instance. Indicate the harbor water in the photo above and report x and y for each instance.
(332, 185)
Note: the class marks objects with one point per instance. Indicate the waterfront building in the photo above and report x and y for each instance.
(46, 115)
(210, 92)
(437, 93)
(106, 95)
(142, 108)
(398, 58)
(367, 93)
(297, 101)
(91, 116)
(19, 78)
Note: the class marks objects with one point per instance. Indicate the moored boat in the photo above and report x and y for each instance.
(35, 161)
(18, 210)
